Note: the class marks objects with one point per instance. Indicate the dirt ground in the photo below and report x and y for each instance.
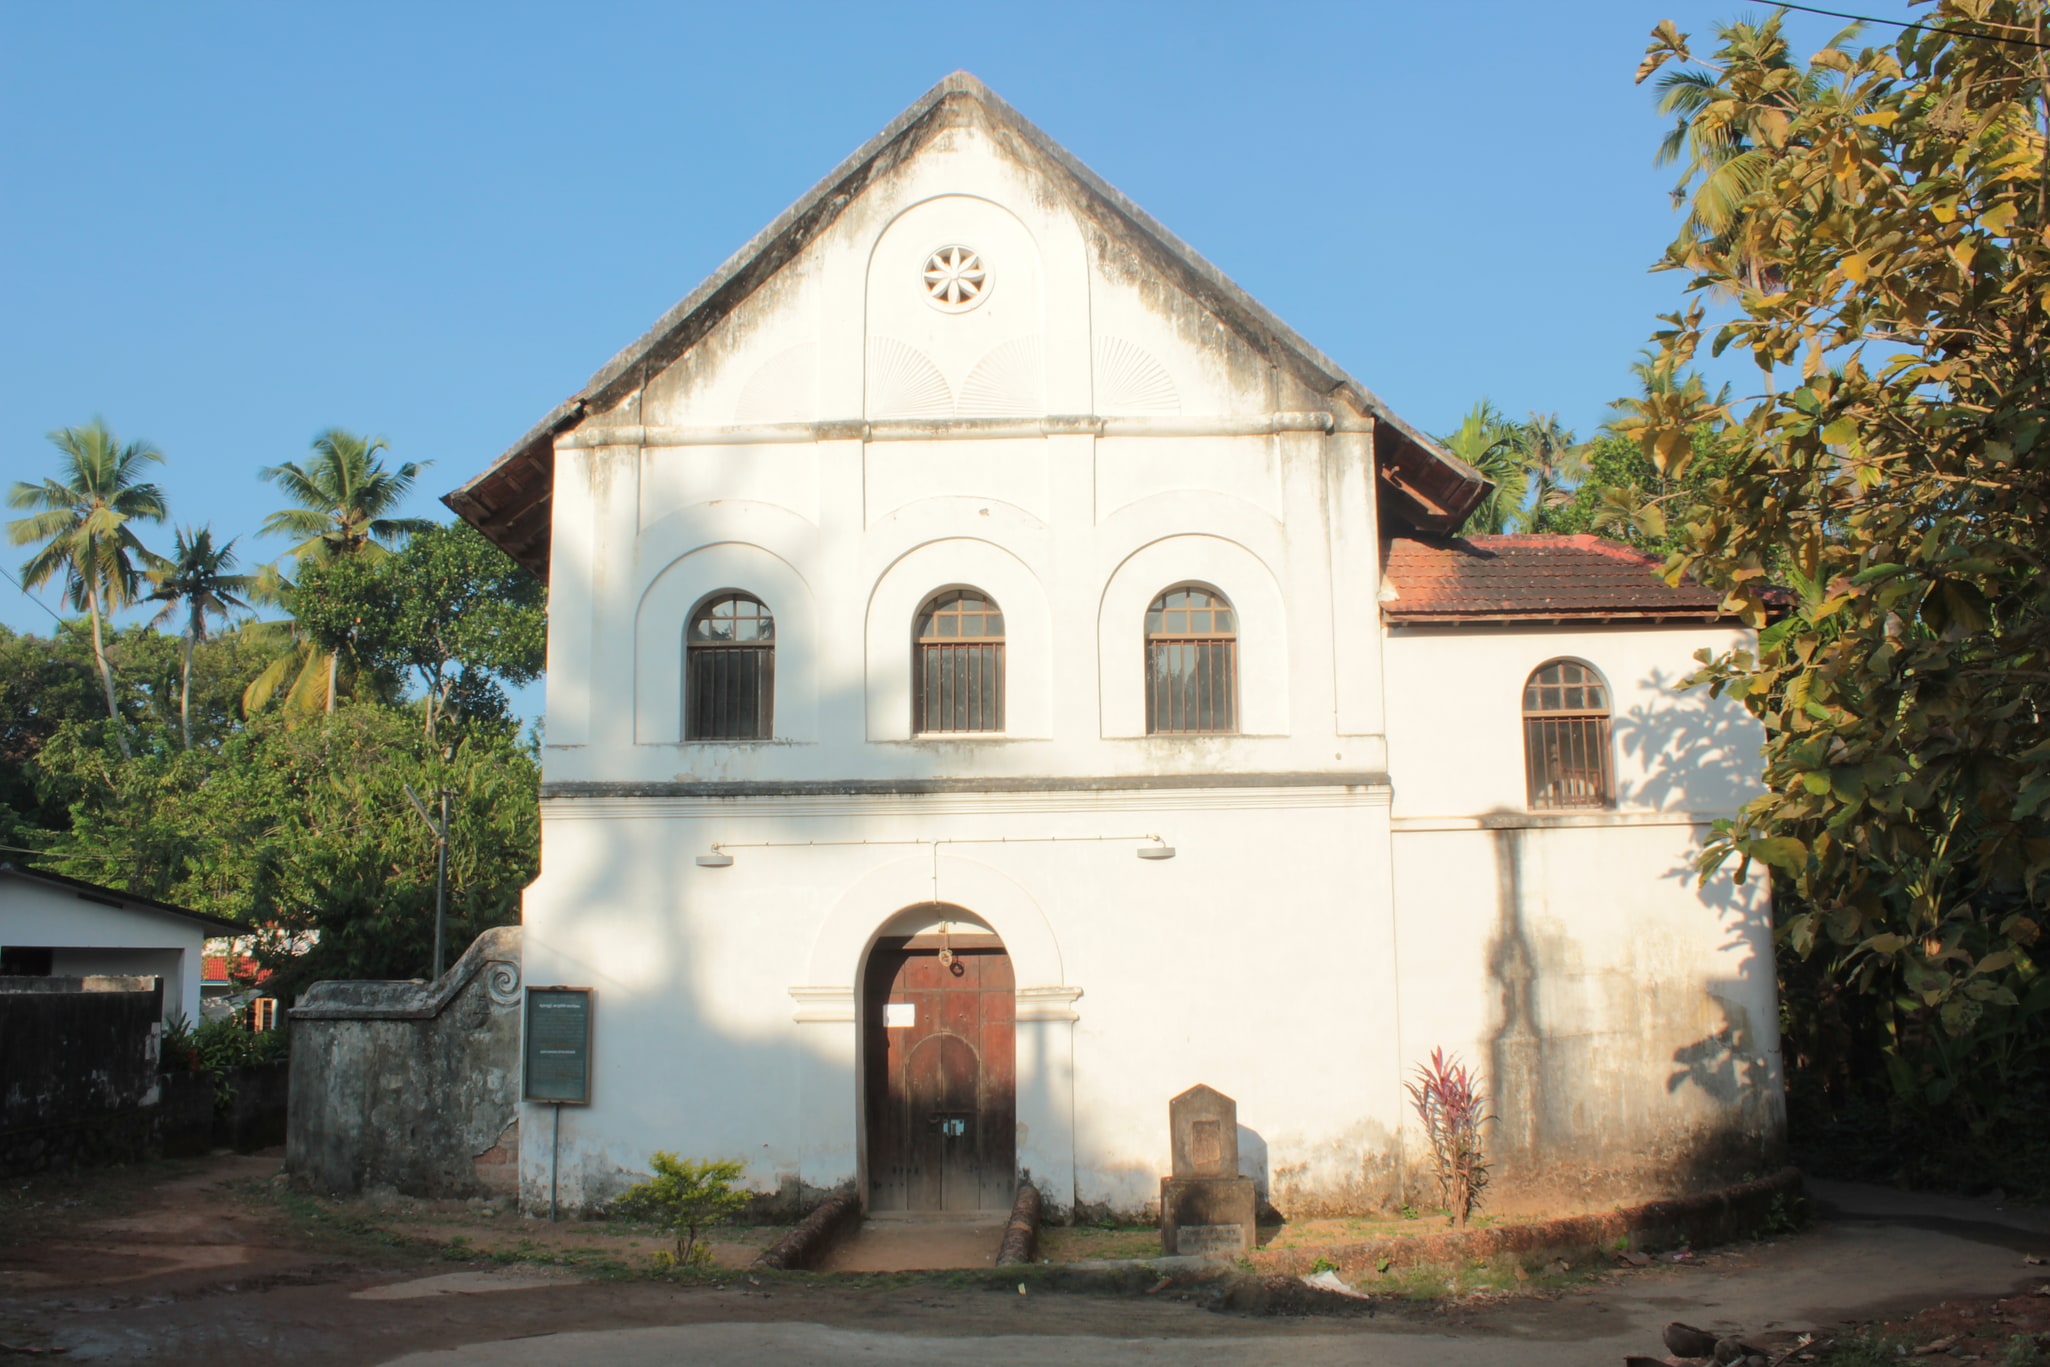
(217, 1260)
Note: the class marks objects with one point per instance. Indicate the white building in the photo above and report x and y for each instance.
(1000, 676)
(53, 926)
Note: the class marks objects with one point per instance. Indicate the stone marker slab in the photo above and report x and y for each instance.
(1210, 1241)
(1203, 1124)
(1211, 1216)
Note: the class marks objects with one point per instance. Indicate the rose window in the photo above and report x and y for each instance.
(955, 279)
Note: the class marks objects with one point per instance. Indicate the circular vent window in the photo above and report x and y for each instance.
(955, 279)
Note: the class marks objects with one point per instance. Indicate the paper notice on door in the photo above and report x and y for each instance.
(900, 1014)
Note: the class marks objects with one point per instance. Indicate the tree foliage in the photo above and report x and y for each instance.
(197, 582)
(1887, 246)
(305, 828)
(80, 526)
(450, 609)
(178, 784)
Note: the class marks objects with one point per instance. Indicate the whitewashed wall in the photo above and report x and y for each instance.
(1625, 1014)
(1263, 959)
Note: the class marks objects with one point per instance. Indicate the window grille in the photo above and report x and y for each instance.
(730, 687)
(1566, 737)
(1192, 664)
(960, 664)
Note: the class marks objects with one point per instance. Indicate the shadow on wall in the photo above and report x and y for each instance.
(1578, 1113)
(1696, 753)
(1253, 1162)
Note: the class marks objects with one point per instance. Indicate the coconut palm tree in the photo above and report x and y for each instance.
(196, 582)
(81, 522)
(1487, 442)
(1732, 121)
(344, 496)
(1553, 463)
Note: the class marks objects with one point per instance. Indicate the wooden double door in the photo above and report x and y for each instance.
(939, 1033)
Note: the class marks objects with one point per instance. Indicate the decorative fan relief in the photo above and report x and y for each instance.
(1005, 383)
(904, 383)
(1130, 382)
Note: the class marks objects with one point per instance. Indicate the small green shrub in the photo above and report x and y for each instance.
(686, 1196)
(1323, 1264)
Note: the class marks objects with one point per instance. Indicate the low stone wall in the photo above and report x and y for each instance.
(407, 1086)
(78, 1071)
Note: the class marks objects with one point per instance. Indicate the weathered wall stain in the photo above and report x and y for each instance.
(409, 1086)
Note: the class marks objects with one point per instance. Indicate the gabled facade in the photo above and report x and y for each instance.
(977, 712)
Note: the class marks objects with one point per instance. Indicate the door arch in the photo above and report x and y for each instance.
(938, 1021)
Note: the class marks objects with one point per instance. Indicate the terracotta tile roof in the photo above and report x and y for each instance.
(214, 970)
(1429, 580)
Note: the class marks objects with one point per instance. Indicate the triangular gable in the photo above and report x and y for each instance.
(1422, 484)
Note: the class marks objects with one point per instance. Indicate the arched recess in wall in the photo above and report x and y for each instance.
(865, 909)
(1011, 351)
(1262, 613)
(959, 562)
(665, 611)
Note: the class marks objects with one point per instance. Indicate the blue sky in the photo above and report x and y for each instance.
(225, 227)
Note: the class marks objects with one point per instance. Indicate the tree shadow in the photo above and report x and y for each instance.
(1692, 752)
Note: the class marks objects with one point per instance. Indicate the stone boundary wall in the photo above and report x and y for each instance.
(78, 1071)
(410, 1086)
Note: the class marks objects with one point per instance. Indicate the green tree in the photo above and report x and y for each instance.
(1489, 443)
(343, 498)
(1732, 120)
(81, 523)
(197, 582)
(44, 683)
(342, 503)
(1904, 485)
(1553, 464)
(449, 608)
(298, 828)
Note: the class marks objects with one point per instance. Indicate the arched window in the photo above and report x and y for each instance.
(959, 664)
(1192, 663)
(1566, 736)
(730, 671)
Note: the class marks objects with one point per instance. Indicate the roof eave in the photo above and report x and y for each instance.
(1442, 506)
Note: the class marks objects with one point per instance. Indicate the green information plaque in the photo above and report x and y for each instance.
(558, 1045)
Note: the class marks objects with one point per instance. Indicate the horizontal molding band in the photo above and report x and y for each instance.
(955, 429)
(1540, 821)
(1100, 799)
(573, 790)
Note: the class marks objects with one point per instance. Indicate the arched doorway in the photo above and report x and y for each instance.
(939, 1066)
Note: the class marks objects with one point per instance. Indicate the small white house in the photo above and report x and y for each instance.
(53, 926)
(1000, 676)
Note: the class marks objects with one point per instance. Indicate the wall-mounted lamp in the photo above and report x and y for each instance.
(717, 859)
(1162, 851)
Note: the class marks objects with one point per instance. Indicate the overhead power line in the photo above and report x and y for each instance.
(1916, 28)
(32, 598)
